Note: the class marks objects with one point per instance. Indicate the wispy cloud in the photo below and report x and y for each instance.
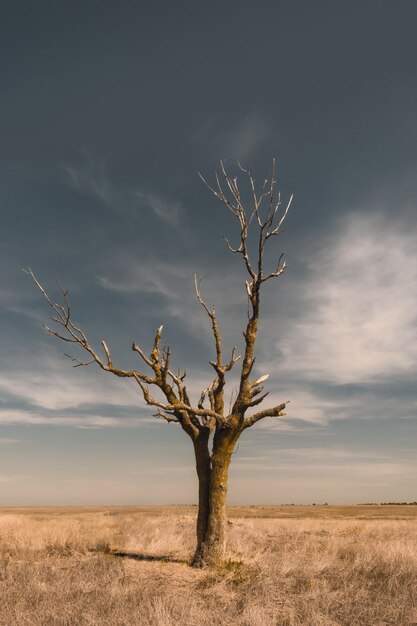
(168, 211)
(305, 407)
(174, 282)
(58, 387)
(373, 463)
(86, 420)
(360, 320)
(91, 179)
(12, 478)
(129, 275)
(240, 139)
(369, 470)
(58, 395)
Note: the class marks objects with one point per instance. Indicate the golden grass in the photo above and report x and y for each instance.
(128, 566)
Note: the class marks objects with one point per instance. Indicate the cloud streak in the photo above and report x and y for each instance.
(360, 320)
(91, 179)
(59, 387)
(239, 140)
(12, 478)
(86, 420)
(174, 284)
(339, 460)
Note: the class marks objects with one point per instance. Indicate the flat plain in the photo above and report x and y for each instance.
(285, 566)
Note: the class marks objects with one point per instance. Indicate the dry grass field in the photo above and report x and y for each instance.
(287, 566)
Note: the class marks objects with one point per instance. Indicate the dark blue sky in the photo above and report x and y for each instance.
(108, 111)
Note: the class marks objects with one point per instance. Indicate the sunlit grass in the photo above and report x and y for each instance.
(99, 568)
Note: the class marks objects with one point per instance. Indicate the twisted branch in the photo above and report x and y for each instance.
(178, 405)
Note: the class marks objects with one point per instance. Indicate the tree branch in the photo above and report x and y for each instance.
(213, 318)
(268, 221)
(276, 411)
(179, 405)
(215, 391)
(167, 417)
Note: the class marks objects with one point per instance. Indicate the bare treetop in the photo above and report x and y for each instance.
(265, 217)
(266, 209)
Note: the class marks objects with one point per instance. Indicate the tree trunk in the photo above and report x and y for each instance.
(211, 519)
(203, 467)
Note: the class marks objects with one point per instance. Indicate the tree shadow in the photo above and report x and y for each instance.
(139, 556)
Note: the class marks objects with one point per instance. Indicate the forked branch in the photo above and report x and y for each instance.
(178, 405)
(276, 411)
(266, 211)
(268, 215)
(215, 391)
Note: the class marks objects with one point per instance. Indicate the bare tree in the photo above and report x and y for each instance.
(265, 217)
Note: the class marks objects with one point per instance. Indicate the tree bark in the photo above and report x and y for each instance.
(211, 519)
(203, 467)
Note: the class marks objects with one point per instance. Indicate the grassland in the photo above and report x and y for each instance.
(286, 566)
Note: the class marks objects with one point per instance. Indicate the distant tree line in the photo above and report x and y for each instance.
(388, 504)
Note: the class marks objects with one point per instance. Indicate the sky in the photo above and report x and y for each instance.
(108, 112)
